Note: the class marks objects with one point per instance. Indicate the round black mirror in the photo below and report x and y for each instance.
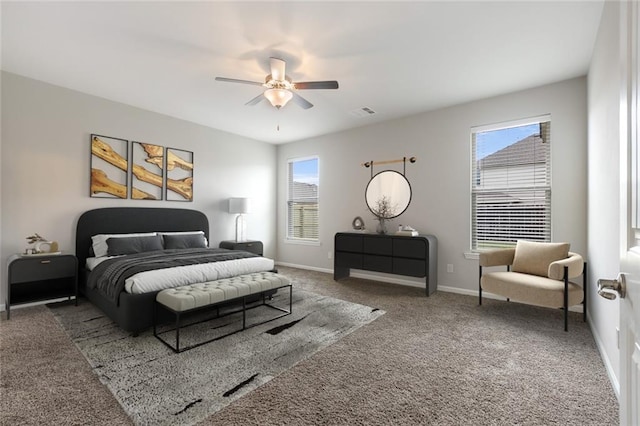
(388, 194)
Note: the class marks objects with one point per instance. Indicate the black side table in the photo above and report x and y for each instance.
(37, 278)
(250, 246)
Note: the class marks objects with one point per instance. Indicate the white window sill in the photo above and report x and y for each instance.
(302, 242)
(472, 255)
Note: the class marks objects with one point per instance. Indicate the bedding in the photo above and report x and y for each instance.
(92, 262)
(147, 272)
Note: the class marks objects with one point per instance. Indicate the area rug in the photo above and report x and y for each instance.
(156, 386)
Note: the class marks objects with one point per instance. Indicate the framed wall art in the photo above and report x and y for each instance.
(109, 167)
(179, 167)
(147, 172)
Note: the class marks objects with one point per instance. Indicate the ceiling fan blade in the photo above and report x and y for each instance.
(300, 101)
(277, 69)
(233, 80)
(307, 85)
(256, 100)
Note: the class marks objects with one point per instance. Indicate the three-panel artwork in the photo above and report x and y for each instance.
(146, 172)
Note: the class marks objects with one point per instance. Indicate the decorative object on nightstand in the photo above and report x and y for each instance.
(250, 246)
(41, 246)
(41, 277)
(239, 206)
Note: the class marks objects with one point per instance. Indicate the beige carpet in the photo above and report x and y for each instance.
(441, 360)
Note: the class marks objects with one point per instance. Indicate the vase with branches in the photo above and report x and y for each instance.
(383, 211)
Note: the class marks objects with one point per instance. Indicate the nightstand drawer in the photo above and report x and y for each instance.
(42, 268)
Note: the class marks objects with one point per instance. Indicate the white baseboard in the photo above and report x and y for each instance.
(605, 358)
(309, 268)
(396, 280)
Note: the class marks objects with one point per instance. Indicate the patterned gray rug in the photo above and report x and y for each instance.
(156, 386)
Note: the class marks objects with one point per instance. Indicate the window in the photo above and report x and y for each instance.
(511, 183)
(302, 199)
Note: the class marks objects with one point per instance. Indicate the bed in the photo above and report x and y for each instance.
(132, 312)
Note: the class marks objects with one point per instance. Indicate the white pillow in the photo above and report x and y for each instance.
(206, 243)
(182, 233)
(99, 242)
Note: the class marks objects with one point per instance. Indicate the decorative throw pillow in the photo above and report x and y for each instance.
(99, 241)
(535, 258)
(184, 241)
(206, 243)
(130, 245)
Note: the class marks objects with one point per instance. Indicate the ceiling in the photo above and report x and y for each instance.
(396, 58)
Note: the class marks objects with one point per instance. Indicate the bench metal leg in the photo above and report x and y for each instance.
(244, 310)
(244, 313)
(178, 332)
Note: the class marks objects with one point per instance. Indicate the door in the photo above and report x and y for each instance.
(630, 222)
(627, 285)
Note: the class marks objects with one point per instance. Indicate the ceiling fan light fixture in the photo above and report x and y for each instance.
(278, 97)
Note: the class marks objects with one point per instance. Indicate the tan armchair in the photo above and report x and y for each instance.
(537, 274)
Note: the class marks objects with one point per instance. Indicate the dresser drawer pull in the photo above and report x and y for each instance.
(45, 261)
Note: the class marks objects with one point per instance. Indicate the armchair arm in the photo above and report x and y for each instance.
(574, 262)
(497, 257)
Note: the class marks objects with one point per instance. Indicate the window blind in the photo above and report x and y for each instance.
(511, 185)
(302, 201)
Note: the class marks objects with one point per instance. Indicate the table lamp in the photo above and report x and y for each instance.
(239, 206)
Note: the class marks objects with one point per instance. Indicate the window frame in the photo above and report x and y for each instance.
(475, 173)
(291, 238)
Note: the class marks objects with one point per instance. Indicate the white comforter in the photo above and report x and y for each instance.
(145, 282)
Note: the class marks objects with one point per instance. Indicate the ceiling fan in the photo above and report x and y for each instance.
(280, 88)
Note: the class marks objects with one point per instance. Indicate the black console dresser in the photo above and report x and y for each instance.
(393, 254)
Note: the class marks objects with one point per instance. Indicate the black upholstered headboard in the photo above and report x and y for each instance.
(124, 220)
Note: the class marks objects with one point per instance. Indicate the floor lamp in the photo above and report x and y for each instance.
(239, 206)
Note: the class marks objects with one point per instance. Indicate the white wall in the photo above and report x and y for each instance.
(45, 156)
(604, 83)
(441, 177)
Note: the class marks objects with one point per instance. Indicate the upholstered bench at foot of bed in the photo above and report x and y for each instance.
(213, 294)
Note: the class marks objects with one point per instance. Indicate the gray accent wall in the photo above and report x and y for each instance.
(45, 154)
(440, 179)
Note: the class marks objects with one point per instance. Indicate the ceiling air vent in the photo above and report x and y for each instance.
(362, 112)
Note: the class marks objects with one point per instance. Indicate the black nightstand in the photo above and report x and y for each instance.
(250, 246)
(36, 278)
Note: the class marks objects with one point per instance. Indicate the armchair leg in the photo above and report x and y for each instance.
(566, 297)
(584, 292)
(479, 285)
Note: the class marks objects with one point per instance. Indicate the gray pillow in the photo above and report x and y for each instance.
(184, 241)
(131, 245)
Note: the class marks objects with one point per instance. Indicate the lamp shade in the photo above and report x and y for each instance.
(278, 97)
(239, 205)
